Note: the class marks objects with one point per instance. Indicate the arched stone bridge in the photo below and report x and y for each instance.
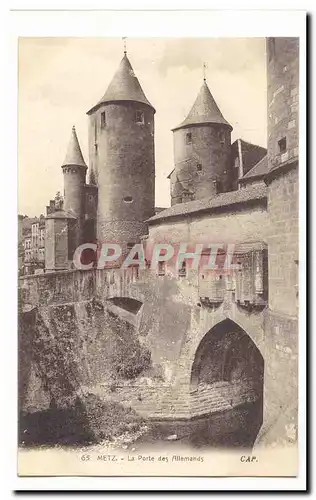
(163, 305)
(209, 358)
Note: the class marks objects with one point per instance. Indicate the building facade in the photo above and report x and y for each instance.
(31, 244)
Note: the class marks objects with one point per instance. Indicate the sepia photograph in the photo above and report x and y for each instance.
(158, 256)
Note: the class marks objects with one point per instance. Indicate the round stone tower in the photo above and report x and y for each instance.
(74, 170)
(122, 163)
(201, 152)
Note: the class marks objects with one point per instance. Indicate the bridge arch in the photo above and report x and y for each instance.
(226, 353)
(129, 304)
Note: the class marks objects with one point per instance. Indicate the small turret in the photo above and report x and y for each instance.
(64, 221)
(202, 151)
(74, 169)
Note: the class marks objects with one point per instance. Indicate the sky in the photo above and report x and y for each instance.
(60, 79)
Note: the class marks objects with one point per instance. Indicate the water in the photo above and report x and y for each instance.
(235, 428)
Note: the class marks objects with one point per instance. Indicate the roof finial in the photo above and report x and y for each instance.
(124, 39)
(204, 72)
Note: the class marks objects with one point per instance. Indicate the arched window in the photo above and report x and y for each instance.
(188, 138)
(140, 117)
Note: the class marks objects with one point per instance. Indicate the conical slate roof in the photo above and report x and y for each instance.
(204, 110)
(74, 154)
(124, 86)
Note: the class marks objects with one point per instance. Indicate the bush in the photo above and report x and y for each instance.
(88, 420)
(129, 363)
(108, 418)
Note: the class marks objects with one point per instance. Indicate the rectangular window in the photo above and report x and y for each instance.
(188, 138)
(103, 123)
(182, 270)
(199, 167)
(221, 136)
(95, 131)
(161, 268)
(282, 145)
(216, 186)
(139, 117)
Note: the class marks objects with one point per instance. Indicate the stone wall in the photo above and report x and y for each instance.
(76, 286)
(57, 288)
(56, 244)
(233, 226)
(280, 410)
(283, 243)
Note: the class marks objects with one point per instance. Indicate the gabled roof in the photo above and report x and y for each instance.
(231, 198)
(124, 87)
(204, 110)
(251, 154)
(74, 154)
(258, 171)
